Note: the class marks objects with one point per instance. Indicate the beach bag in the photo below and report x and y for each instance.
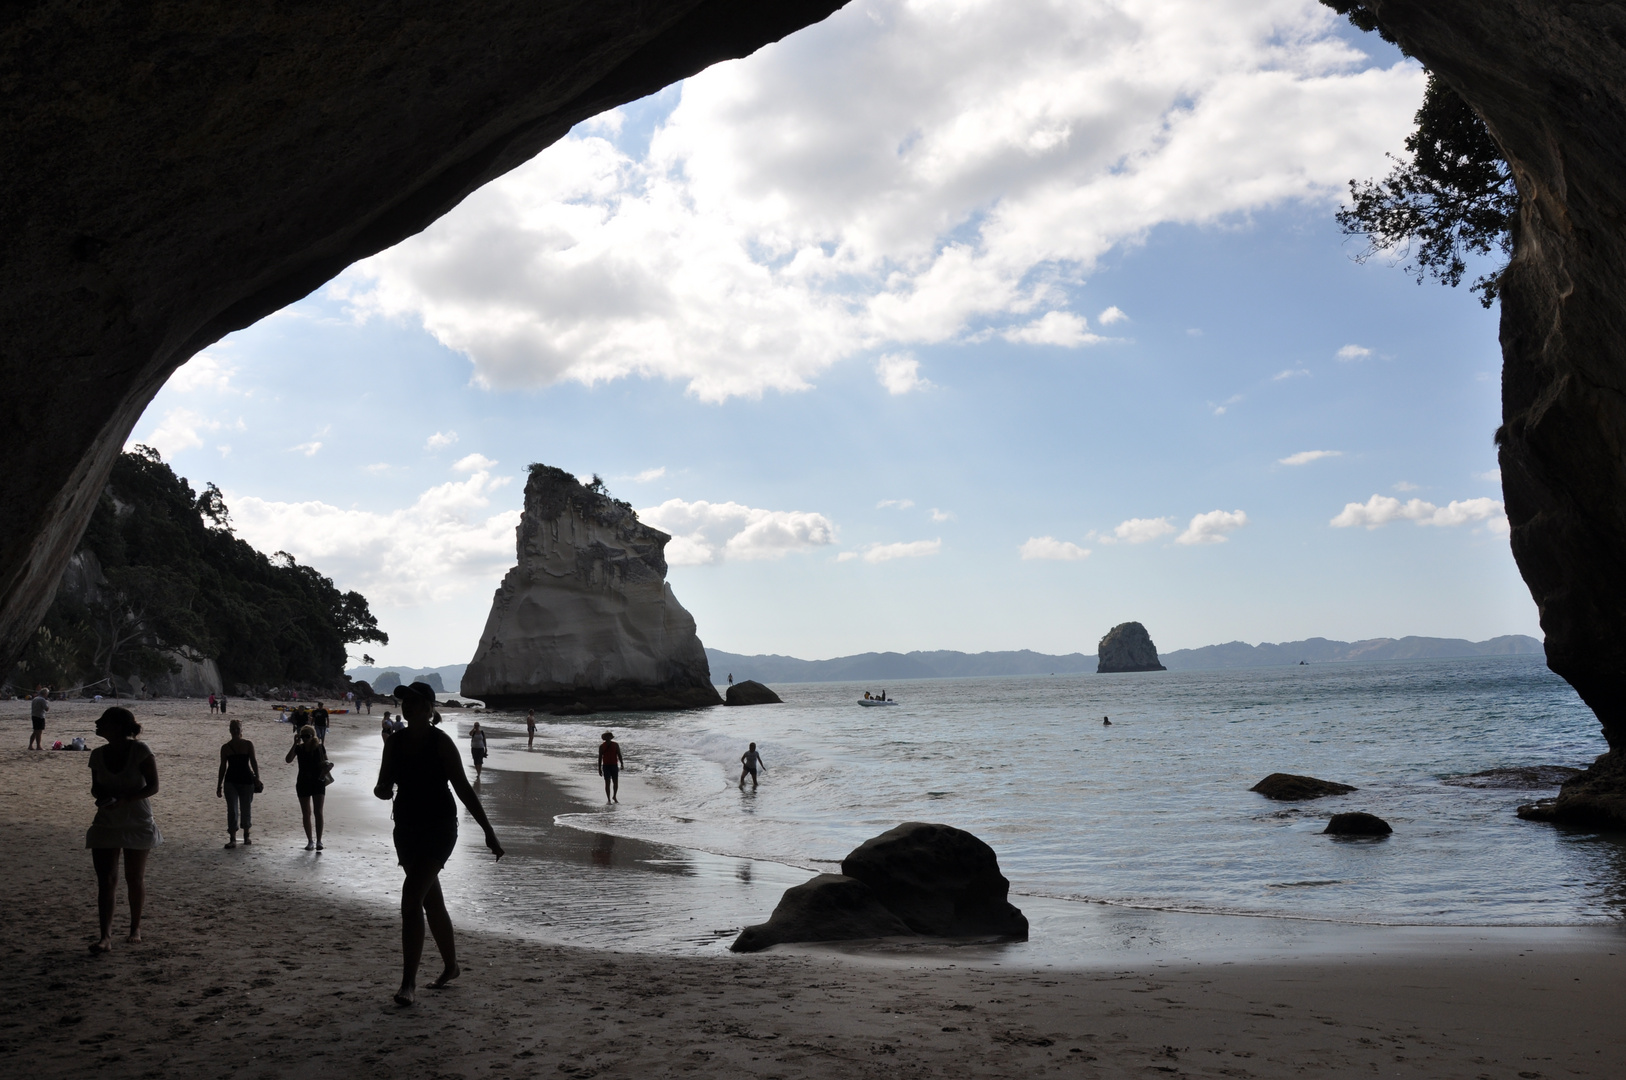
(327, 773)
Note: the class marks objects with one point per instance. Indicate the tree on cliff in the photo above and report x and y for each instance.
(178, 580)
(1453, 197)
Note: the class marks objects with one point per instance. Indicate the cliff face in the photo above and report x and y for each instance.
(1127, 647)
(174, 172)
(1550, 82)
(587, 615)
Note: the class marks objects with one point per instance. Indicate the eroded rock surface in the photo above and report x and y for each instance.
(1595, 799)
(750, 692)
(586, 618)
(174, 172)
(939, 880)
(831, 907)
(1127, 647)
(1287, 787)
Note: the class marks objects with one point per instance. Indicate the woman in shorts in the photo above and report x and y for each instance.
(420, 770)
(477, 748)
(311, 783)
(123, 776)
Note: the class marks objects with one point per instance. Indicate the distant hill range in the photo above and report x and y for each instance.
(947, 664)
(450, 676)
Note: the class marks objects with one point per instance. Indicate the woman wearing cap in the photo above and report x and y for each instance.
(418, 765)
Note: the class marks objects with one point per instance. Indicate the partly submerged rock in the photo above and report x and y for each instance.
(831, 907)
(1286, 787)
(1594, 799)
(1127, 647)
(751, 692)
(1357, 824)
(940, 880)
(1519, 777)
(587, 617)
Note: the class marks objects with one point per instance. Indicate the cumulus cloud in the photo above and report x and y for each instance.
(183, 429)
(1304, 457)
(1139, 531)
(473, 463)
(1381, 510)
(899, 373)
(1354, 352)
(1111, 316)
(205, 371)
(904, 549)
(707, 532)
(440, 440)
(445, 544)
(1210, 528)
(1048, 547)
(650, 475)
(901, 504)
(901, 174)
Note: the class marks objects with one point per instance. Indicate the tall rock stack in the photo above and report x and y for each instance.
(587, 617)
(1127, 647)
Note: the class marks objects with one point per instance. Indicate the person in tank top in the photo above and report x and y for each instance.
(420, 770)
(238, 780)
(310, 785)
(123, 776)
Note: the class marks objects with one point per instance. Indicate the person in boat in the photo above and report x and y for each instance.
(866, 695)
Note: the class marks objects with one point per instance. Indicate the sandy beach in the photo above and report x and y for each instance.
(251, 969)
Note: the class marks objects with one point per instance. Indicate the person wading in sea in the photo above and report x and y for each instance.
(609, 766)
(750, 762)
(418, 765)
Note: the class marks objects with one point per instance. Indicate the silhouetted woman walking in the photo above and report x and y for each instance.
(418, 765)
(311, 783)
(123, 776)
(239, 779)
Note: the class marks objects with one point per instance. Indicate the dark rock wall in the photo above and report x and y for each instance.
(172, 172)
(1549, 79)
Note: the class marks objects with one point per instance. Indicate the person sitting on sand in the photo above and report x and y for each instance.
(477, 748)
(750, 762)
(609, 766)
(123, 776)
(310, 785)
(239, 779)
(418, 764)
(530, 730)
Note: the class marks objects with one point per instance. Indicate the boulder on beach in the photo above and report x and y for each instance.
(940, 880)
(831, 907)
(1594, 799)
(1127, 647)
(1357, 824)
(1286, 787)
(751, 692)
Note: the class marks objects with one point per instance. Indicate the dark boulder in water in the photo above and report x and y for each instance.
(1127, 647)
(1594, 799)
(940, 880)
(1286, 787)
(1357, 824)
(751, 692)
(831, 907)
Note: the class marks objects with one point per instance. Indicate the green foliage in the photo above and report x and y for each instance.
(179, 580)
(1454, 196)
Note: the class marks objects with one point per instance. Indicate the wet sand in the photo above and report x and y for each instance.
(262, 961)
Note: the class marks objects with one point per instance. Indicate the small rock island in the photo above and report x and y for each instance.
(586, 620)
(1127, 647)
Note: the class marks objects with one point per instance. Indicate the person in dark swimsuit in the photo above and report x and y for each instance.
(750, 762)
(417, 767)
(311, 783)
(609, 766)
(239, 778)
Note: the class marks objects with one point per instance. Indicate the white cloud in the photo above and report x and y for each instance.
(440, 440)
(309, 449)
(203, 372)
(1381, 510)
(1406, 485)
(1219, 410)
(1053, 328)
(650, 475)
(1304, 457)
(880, 553)
(376, 468)
(899, 373)
(1210, 528)
(941, 515)
(904, 173)
(1354, 352)
(1289, 373)
(441, 546)
(1111, 316)
(901, 504)
(473, 463)
(183, 429)
(1139, 531)
(1048, 547)
(707, 532)
(1492, 477)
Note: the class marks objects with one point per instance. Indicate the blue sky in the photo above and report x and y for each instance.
(890, 325)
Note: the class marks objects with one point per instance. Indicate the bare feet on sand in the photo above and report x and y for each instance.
(406, 995)
(104, 945)
(452, 971)
(134, 938)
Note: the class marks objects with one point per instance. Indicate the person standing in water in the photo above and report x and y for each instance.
(310, 785)
(750, 762)
(477, 749)
(530, 730)
(239, 779)
(123, 776)
(418, 765)
(609, 766)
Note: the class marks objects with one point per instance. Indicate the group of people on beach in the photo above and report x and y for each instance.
(420, 773)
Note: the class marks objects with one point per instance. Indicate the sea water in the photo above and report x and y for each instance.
(1151, 812)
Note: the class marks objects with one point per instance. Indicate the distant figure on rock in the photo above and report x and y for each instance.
(731, 678)
(609, 766)
(750, 762)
